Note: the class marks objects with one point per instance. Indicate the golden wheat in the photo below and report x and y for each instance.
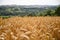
(30, 28)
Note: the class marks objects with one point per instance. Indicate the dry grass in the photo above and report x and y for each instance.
(30, 28)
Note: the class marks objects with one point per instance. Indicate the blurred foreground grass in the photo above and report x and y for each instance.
(30, 28)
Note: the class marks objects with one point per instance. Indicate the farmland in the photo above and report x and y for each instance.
(30, 28)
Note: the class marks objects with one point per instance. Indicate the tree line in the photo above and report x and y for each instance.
(17, 11)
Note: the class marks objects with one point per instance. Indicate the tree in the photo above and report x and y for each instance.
(48, 12)
(57, 11)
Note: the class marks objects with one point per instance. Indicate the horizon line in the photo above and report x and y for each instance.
(27, 5)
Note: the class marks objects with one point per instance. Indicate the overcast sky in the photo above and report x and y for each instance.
(30, 2)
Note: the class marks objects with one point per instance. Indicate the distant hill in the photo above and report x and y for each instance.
(22, 10)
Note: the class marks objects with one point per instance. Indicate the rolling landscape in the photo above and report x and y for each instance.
(28, 10)
(32, 22)
(29, 22)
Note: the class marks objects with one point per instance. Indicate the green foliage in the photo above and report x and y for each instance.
(4, 17)
(17, 11)
(57, 11)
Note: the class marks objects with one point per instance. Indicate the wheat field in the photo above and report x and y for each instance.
(30, 28)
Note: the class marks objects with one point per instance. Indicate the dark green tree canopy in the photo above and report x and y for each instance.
(57, 11)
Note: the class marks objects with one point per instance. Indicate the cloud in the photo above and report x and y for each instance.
(29, 2)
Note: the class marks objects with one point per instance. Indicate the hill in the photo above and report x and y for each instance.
(25, 10)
